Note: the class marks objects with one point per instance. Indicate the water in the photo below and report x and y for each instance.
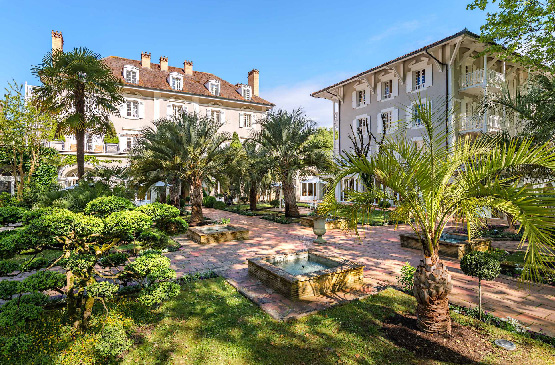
(451, 238)
(212, 229)
(301, 266)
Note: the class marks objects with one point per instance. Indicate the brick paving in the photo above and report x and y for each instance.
(377, 247)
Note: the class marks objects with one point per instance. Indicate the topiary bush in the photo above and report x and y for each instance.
(7, 267)
(112, 341)
(219, 205)
(127, 224)
(209, 201)
(154, 238)
(176, 225)
(11, 214)
(105, 205)
(164, 217)
(114, 259)
(274, 203)
(481, 265)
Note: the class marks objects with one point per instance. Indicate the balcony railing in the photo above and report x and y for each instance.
(481, 123)
(476, 79)
(58, 145)
(111, 148)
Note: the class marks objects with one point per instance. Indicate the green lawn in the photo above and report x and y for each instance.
(211, 323)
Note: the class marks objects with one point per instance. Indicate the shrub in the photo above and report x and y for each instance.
(127, 224)
(384, 204)
(209, 201)
(11, 214)
(158, 292)
(9, 288)
(112, 341)
(219, 205)
(481, 265)
(18, 344)
(27, 308)
(154, 238)
(7, 199)
(274, 203)
(114, 259)
(36, 213)
(102, 289)
(176, 225)
(36, 263)
(105, 205)
(244, 199)
(7, 267)
(163, 215)
(12, 242)
(43, 280)
(406, 279)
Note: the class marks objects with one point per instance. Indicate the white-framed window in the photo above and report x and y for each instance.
(216, 115)
(419, 79)
(387, 89)
(414, 118)
(131, 74)
(348, 184)
(214, 87)
(175, 80)
(362, 123)
(388, 120)
(247, 120)
(361, 97)
(245, 91)
(132, 108)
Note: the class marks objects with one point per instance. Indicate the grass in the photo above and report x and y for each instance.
(211, 323)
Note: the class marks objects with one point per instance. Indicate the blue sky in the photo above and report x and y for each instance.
(298, 46)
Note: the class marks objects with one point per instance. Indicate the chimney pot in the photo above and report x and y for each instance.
(57, 41)
(164, 63)
(254, 81)
(145, 59)
(188, 68)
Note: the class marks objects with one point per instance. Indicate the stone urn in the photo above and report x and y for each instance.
(319, 229)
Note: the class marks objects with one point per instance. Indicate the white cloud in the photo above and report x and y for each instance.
(396, 29)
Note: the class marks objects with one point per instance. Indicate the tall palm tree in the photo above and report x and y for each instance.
(287, 139)
(257, 171)
(184, 147)
(432, 184)
(82, 90)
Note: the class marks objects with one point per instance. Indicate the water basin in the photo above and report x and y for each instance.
(303, 265)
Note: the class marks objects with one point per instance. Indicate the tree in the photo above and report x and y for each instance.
(23, 129)
(287, 138)
(483, 266)
(184, 147)
(82, 91)
(257, 171)
(520, 31)
(433, 184)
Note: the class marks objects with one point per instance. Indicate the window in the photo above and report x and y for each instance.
(131, 74)
(89, 144)
(361, 97)
(129, 143)
(178, 109)
(387, 120)
(132, 108)
(361, 124)
(246, 92)
(215, 115)
(246, 120)
(176, 81)
(214, 87)
(419, 79)
(416, 120)
(387, 88)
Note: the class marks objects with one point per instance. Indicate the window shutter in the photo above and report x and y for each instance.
(355, 125)
(395, 87)
(379, 91)
(379, 123)
(222, 116)
(395, 118)
(429, 72)
(169, 110)
(208, 113)
(408, 81)
(410, 115)
(141, 109)
(367, 95)
(241, 120)
(123, 109)
(354, 99)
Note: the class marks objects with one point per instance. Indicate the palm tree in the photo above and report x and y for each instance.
(257, 171)
(432, 184)
(82, 90)
(287, 139)
(184, 147)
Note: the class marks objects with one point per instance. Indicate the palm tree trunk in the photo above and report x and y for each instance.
(175, 189)
(291, 209)
(432, 285)
(252, 196)
(80, 138)
(196, 202)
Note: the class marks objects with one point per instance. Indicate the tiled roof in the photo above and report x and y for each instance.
(462, 32)
(155, 78)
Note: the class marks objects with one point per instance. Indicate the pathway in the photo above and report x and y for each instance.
(378, 248)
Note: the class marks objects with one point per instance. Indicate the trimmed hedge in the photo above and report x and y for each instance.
(11, 214)
(209, 201)
(105, 205)
(127, 224)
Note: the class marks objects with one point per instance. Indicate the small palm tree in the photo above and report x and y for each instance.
(184, 147)
(433, 184)
(257, 171)
(287, 139)
(82, 90)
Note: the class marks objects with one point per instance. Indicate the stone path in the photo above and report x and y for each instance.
(378, 248)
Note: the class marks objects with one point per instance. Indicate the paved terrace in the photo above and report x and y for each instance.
(378, 248)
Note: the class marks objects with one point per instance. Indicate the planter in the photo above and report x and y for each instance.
(217, 234)
(319, 229)
(452, 245)
(330, 224)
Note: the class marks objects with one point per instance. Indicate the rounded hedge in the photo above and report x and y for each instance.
(127, 224)
(11, 214)
(481, 265)
(219, 205)
(160, 213)
(209, 201)
(105, 205)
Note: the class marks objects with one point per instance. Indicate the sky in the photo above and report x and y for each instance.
(298, 46)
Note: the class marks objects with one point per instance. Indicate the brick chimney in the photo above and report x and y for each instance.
(188, 68)
(253, 81)
(164, 63)
(145, 59)
(57, 41)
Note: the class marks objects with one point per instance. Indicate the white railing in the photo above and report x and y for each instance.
(475, 123)
(476, 78)
(111, 148)
(58, 145)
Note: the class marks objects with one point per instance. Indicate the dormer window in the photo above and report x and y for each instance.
(214, 87)
(131, 74)
(176, 81)
(245, 91)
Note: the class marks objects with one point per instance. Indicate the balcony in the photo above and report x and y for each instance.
(57, 145)
(474, 82)
(481, 123)
(111, 148)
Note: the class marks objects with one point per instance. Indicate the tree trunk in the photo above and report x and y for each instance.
(432, 285)
(196, 203)
(291, 209)
(175, 189)
(252, 196)
(80, 139)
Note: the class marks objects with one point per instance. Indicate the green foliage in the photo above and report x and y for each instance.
(384, 204)
(209, 201)
(111, 139)
(12, 345)
(165, 217)
(12, 242)
(25, 309)
(105, 205)
(36, 263)
(102, 289)
(8, 266)
(127, 224)
(11, 214)
(176, 225)
(406, 279)
(9, 288)
(7, 199)
(35, 213)
(158, 292)
(154, 238)
(219, 205)
(44, 280)
(112, 342)
(481, 265)
(274, 203)
(114, 259)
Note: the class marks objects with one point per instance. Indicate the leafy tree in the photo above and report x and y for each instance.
(520, 30)
(186, 148)
(433, 184)
(82, 91)
(257, 172)
(287, 139)
(483, 266)
(23, 129)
